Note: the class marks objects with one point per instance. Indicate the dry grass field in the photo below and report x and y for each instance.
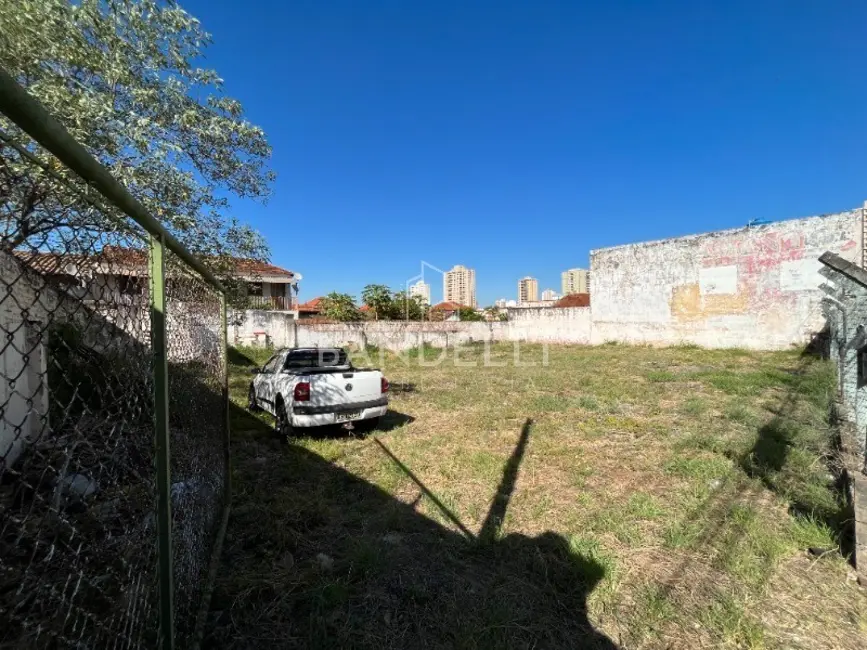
(614, 496)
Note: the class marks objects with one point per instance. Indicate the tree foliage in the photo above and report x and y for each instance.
(378, 298)
(469, 314)
(122, 77)
(386, 304)
(339, 306)
(493, 313)
(406, 307)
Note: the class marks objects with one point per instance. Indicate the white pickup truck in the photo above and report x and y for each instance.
(311, 387)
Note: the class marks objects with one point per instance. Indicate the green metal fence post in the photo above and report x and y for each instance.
(159, 341)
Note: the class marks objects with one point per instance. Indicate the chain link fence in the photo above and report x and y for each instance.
(113, 418)
(845, 309)
(197, 420)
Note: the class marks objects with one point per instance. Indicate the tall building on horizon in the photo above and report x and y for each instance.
(459, 285)
(528, 290)
(575, 281)
(549, 294)
(422, 290)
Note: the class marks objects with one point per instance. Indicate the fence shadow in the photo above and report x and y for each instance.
(769, 459)
(771, 453)
(819, 346)
(317, 557)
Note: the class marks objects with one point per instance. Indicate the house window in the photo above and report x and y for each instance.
(254, 289)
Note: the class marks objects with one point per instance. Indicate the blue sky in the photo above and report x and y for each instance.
(514, 137)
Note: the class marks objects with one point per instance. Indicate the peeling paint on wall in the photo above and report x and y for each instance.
(688, 303)
(718, 279)
(800, 275)
(754, 287)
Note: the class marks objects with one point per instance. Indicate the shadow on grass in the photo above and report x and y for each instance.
(490, 530)
(790, 457)
(262, 423)
(778, 460)
(317, 557)
(819, 346)
(793, 458)
(238, 358)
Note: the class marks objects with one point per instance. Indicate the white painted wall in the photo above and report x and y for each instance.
(25, 306)
(549, 325)
(570, 325)
(754, 287)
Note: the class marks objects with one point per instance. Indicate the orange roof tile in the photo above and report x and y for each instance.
(311, 306)
(448, 306)
(111, 255)
(574, 300)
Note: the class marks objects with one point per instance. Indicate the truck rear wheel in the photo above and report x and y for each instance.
(282, 425)
(252, 404)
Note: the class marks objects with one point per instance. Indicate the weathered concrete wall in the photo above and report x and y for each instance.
(570, 325)
(754, 287)
(26, 305)
(550, 325)
(396, 335)
(257, 326)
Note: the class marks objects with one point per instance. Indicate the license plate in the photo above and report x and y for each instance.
(348, 415)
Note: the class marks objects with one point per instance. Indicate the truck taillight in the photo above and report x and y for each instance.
(302, 392)
(384, 385)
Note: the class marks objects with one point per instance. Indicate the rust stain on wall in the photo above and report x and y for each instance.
(687, 303)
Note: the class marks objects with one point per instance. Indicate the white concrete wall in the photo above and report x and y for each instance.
(752, 287)
(550, 325)
(571, 325)
(749, 287)
(261, 327)
(26, 306)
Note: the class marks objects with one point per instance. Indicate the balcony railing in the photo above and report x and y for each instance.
(279, 303)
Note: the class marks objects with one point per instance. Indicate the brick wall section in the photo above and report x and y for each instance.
(755, 287)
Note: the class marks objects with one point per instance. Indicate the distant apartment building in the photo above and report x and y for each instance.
(549, 295)
(575, 281)
(422, 290)
(459, 286)
(528, 290)
(500, 303)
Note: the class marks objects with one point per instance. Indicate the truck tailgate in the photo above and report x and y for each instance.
(339, 388)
